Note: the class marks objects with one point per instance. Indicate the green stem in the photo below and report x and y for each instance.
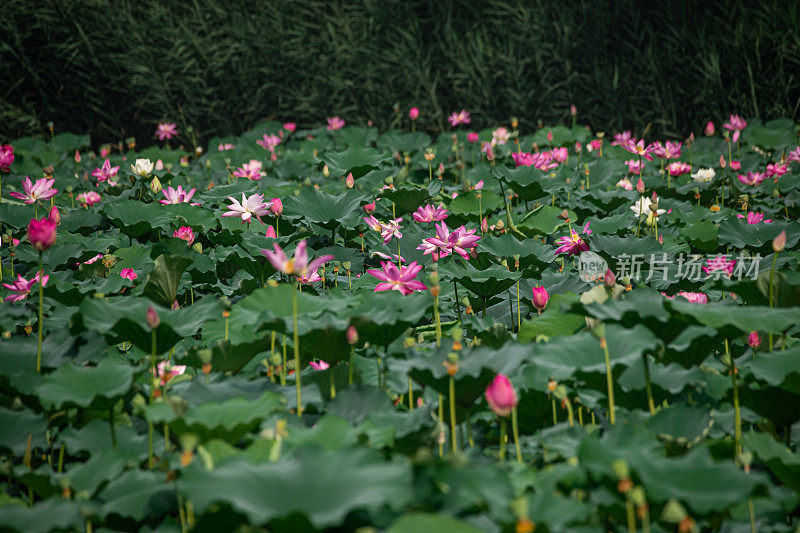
(283, 362)
(437, 320)
(609, 381)
(771, 289)
(333, 384)
(453, 436)
(296, 339)
(410, 394)
(737, 422)
(458, 304)
(555, 415)
(441, 418)
(503, 431)
(648, 388)
(111, 425)
(153, 376)
(631, 516)
(350, 370)
(41, 316)
(515, 430)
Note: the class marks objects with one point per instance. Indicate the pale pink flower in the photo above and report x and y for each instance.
(22, 287)
(166, 130)
(735, 124)
(573, 244)
(335, 123)
(391, 229)
(634, 166)
(224, 147)
(752, 178)
(719, 265)
(460, 241)
(33, 192)
(106, 173)
(249, 207)
(128, 273)
(299, 264)
(620, 139)
(694, 297)
(6, 157)
(626, 184)
(166, 371)
(794, 155)
(373, 223)
(177, 196)
(88, 199)
(398, 279)
(670, 150)
(460, 117)
(676, 168)
(755, 218)
(639, 148)
(430, 214)
(500, 136)
(321, 365)
(93, 259)
(269, 142)
(289, 126)
(251, 170)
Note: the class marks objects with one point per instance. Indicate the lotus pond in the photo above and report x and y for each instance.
(341, 329)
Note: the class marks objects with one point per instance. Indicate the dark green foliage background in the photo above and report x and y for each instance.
(115, 68)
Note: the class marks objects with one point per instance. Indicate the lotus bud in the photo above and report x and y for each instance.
(277, 207)
(722, 161)
(573, 110)
(54, 215)
(779, 242)
(609, 279)
(661, 239)
(48, 170)
(736, 165)
(271, 233)
(564, 215)
(197, 247)
(640, 186)
(472, 137)
(42, 233)
(549, 136)
(578, 147)
(350, 181)
(433, 277)
(484, 225)
(351, 335)
(325, 171)
(540, 298)
(155, 185)
(500, 226)
(142, 168)
(754, 340)
(710, 130)
(152, 317)
(198, 151)
(77, 156)
(413, 113)
(501, 396)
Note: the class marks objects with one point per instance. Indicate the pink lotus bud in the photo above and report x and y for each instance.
(609, 279)
(710, 130)
(54, 215)
(778, 243)
(549, 136)
(578, 147)
(501, 396)
(413, 113)
(77, 156)
(277, 207)
(104, 151)
(273, 157)
(289, 126)
(152, 317)
(722, 161)
(42, 233)
(351, 335)
(754, 340)
(185, 233)
(660, 239)
(159, 165)
(640, 186)
(369, 208)
(573, 110)
(540, 298)
(440, 170)
(736, 165)
(472, 137)
(484, 225)
(271, 233)
(350, 181)
(691, 138)
(654, 197)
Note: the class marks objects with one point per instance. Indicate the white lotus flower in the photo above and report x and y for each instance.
(704, 174)
(143, 167)
(642, 206)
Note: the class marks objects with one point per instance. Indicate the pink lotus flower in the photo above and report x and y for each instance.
(500, 136)
(251, 170)
(299, 264)
(461, 117)
(694, 297)
(106, 173)
(478, 186)
(6, 157)
(710, 129)
(559, 154)
(321, 365)
(626, 184)
(269, 142)
(33, 192)
(224, 147)
(276, 207)
(373, 223)
(391, 229)
(430, 214)
(128, 273)
(522, 159)
(719, 265)
(488, 149)
(752, 178)
(271, 233)
(776, 170)
(335, 123)
(413, 113)
(249, 207)
(639, 148)
(393, 257)
(22, 287)
(794, 155)
(595, 144)
(735, 124)
(166, 130)
(77, 156)
(54, 215)
(159, 164)
(501, 396)
(184, 233)
(88, 199)
(42, 233)
(736, 165)
(93, 259)
(310, 277)
(755, 218)
(177, 196)
(635, 166)
(540, 298)
(620, 139)
(670, 150)
(289, 126)
(460, 241)
(754, 340)
(473, 138)
(573, 244)
(677, 168)
(165, 371)
(398, 279)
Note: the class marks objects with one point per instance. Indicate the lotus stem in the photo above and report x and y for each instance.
(771, 289)
(333, 383)
(555, 415)
(283, 363)
(458, 304)
(609, 381)
(737, 422)
(350, 370)
(631, 515)
(515, 430)
(441, 418)
(410, 394)
(41, 316)
(153, 375)
(296, 339)
(648, 388)
(570, 414)
(503, 431)
(453, 435)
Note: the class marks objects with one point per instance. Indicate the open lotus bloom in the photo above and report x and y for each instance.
(34, 192)
(21, 288)
(401, 279)
(704, 175)
(298, 265)
(252, 206)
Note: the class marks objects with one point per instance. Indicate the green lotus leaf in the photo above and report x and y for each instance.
(329, 211)
(356, 159)
(81, 386)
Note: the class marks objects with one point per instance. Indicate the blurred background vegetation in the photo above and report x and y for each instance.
(115, 68)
